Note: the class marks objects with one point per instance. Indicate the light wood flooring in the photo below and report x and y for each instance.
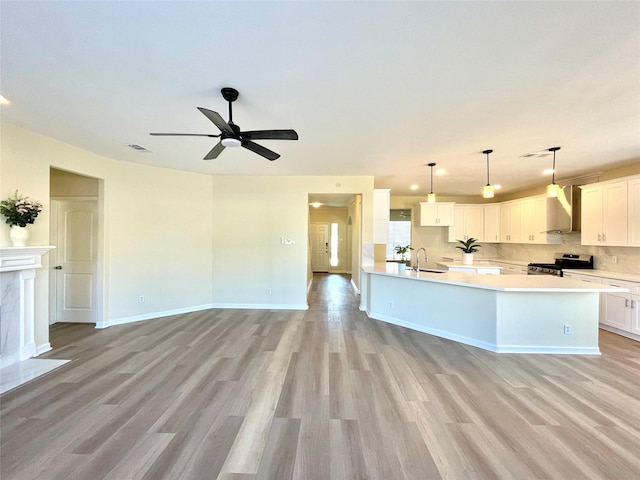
(320, 394)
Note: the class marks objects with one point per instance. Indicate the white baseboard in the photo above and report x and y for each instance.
(179, 311)
(45, 347)
(152, 315)
(485, 345)
(261, 306)
(355, 288)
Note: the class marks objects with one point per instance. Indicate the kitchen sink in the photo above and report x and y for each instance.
(430, 270)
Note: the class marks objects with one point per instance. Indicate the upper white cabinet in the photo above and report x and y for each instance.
(436, 214)
(468, 222)
(510, 222)
(633, 191)
(605, 214)
(533, 221)
(492, 223)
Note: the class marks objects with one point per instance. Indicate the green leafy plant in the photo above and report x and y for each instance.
(403, 251)
(20, 210)
(470, 246)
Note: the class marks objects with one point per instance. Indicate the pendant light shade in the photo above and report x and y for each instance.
(487, 191)
(553, 189)
(431, 198)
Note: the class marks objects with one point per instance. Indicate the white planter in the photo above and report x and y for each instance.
(467, 258)
(18, 235)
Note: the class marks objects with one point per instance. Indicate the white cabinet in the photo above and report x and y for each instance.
(468, 222)
(533, 222)
(510, 222)
(605, 214)
(618, 309)
(512, 268)
(435, 214)
(492, 223)
(633, 192)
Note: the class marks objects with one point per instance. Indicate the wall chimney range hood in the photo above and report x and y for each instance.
(563, 211)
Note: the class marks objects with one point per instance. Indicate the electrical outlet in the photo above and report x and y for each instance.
(567, 329)
(141, 299)
(614, 259)
(268, 291)
(390, 305)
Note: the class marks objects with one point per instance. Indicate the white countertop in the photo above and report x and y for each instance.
(629, 277)
(507, 283)
(475, 264)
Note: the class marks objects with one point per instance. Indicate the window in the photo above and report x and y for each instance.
(399, 232)
(333, 260)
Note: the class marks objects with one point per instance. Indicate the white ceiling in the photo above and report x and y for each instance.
(372, 88)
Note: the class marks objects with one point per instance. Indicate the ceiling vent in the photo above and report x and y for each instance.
(138, 148)
(536, 154)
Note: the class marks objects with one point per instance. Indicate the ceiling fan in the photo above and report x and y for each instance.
(231, 136)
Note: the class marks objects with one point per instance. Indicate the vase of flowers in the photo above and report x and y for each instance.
(19, 212)
(469, 247)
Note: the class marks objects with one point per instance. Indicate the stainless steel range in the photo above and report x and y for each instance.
(563, 261)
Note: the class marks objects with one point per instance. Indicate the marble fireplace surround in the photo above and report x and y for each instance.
(17, 302)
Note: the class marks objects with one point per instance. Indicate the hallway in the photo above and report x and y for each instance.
(319, 394)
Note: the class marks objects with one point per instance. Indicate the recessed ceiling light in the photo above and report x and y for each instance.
(440, 171)
(4, 101)
(316, 204)
(414, 187)
(548, 171)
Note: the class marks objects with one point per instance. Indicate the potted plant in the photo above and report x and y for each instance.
(19, 212)
(468, 248)
(403, 255)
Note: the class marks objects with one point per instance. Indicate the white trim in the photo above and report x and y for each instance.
(260, 306)
(617, 331)
(198, 308)
(355, 288)
(152, 315)
(309, 286)
(484, 345)
(45, 347)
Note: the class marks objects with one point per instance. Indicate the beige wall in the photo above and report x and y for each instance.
(155, 240)
(67, 184)
(250, 215)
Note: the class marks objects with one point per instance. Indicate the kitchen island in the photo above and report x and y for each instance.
(500, 313)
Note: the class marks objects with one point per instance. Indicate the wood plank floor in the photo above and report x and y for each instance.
(321, 394)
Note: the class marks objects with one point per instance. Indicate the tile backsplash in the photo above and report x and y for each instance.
(434, 239)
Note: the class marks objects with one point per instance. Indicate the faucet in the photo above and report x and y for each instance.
(426, 258)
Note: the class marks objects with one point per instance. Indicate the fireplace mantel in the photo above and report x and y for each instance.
(17, 302)
(22, 258)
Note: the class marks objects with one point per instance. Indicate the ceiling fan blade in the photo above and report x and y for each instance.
(187, 134)
(215, 151)
(260, 150)
(270, 135)
(217, 120)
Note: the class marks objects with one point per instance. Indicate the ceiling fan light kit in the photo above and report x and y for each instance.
(231, 135)
(487, 191)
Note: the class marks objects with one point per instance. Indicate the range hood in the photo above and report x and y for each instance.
(563, 212)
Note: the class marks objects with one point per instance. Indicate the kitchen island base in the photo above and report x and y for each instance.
(499, 320)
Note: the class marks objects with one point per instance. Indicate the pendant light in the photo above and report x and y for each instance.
(487, 191)
(553, 189)
(431, 198)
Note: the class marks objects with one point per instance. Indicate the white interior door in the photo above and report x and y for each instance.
(75, 232)
(319, 238)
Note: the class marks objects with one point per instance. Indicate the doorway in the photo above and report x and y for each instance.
(75, 223)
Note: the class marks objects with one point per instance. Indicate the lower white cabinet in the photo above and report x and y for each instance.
(511, 268)
(618, 311)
